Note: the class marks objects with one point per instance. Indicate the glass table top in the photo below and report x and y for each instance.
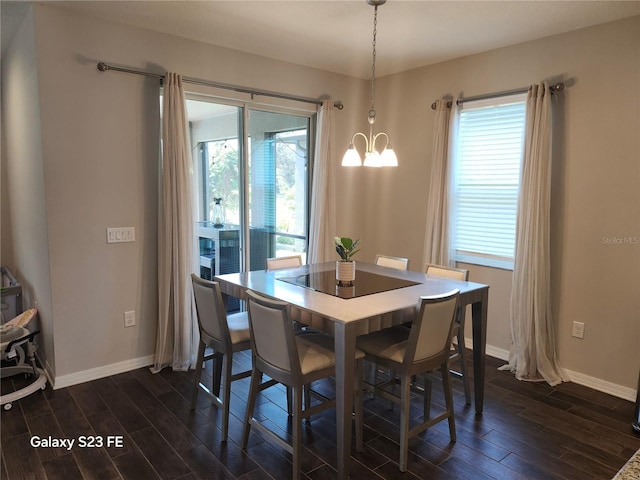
(366, 283)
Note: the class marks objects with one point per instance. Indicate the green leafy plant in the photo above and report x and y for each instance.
(346, 247)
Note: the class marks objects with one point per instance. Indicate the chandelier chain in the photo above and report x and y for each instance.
(373, 64)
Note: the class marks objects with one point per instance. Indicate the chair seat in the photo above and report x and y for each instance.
(390, 343)
(313, 357)
(326, 341)
(238, 327)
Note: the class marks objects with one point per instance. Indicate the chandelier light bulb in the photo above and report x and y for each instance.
(351, 157)
(372, 159)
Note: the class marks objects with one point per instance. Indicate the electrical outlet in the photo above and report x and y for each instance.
(130, 318)
(578, 330)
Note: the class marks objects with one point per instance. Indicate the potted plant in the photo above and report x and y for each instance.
(345, 267)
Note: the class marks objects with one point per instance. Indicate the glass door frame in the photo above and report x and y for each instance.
(244, 181)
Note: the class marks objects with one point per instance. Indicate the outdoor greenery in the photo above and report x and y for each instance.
(224, 176)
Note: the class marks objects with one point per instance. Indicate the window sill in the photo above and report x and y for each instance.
(485, 262)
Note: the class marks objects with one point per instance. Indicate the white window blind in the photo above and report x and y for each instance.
(487, 180)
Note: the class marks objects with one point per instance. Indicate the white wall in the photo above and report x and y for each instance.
(596, 178)
(24, 213)
(99, 163)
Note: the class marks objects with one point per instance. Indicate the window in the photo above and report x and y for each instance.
(486, 180)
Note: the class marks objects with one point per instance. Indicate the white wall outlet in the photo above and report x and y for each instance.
(578, 330)
(130, 318)
(121, 234)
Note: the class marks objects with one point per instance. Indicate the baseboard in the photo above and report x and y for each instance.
(601, 385)
(101, 372)
(121, 367)
(576, 377)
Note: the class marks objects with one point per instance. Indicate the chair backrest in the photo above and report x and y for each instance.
(272, 336)
(394, 262)
(431, 330)
(277, 263)
(212, 317)
(447, 272)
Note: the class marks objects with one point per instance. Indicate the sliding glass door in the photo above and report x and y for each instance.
(277, 186)
(252, 170)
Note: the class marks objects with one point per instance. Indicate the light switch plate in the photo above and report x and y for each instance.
(121, 234)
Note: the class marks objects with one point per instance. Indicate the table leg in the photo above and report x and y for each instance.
(479, 327)
(345, 341)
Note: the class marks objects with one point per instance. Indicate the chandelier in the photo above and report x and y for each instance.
(372, 157)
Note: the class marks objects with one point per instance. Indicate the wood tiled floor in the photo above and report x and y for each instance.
(527, 431)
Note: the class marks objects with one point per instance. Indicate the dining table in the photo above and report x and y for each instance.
(378, 298)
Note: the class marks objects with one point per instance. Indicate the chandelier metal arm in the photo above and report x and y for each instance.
(366, 140)
(370, 142)
(386, 142)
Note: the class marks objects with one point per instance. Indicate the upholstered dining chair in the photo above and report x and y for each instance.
(294, 361)
(394, 262)
(278, 263)
(458, 351)
(225, 335)
(411, 351)
(399, 263)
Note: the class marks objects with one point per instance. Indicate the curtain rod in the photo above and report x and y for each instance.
(558, 87)
(103, 67)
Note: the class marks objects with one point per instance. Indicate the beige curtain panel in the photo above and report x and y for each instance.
(176, 334)
(322, 222)
(533, 355)
(436, 249)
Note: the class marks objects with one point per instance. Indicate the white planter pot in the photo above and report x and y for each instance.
(345, 272)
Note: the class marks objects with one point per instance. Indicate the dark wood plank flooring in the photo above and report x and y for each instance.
(527, 431)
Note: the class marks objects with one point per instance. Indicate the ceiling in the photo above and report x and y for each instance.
(336, 35)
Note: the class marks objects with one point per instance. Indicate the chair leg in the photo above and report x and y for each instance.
(297, 431)
(218, 359)
(427, 397)
(306, 396)
(289, 400)
(256, 380)
(448, 398)
(226, 399)
(198, 375)
(372, 372)
(463, 366)
(405, 393)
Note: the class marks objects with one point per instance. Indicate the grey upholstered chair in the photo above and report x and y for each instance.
(411, 351)
(459, 351)
(225, 335)
(295, 361)
(400, 263)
